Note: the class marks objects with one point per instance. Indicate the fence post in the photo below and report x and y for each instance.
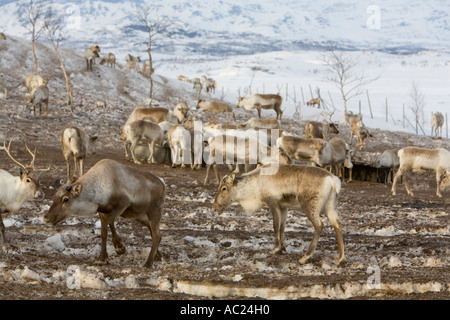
(446, 125)
(303, 96)
(403, 115)
(387, 111)
(370, 106)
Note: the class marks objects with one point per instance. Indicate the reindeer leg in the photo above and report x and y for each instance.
(318, 227)
(117, 240)
(279, 223)
(107, 219)
(5, 245)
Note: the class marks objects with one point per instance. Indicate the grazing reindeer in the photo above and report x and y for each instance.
(311, 189)
(113, 190)
(16, 190)
(424, 160)
(336, 154)
(110, 60)
(39, 96)
(33, 81)
(180, 146)
(78, 144)
(437, 121)
(262, 101)
(388, 159)
(145, 131)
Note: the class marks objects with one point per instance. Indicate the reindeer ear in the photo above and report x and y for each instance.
(229, 179)
(76, 189)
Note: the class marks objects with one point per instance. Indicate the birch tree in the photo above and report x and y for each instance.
(345, 73)
(31, 16)
(154, 26)
(53, 24)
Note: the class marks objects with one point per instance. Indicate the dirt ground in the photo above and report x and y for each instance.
(396, 247)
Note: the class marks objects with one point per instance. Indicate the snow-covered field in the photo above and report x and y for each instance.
(290, 73)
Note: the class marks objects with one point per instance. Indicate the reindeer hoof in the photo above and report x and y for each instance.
(101, 262)
(341, 262)
(303, 259)
(121, 250)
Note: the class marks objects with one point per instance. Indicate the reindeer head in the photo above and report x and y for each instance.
(29, 175)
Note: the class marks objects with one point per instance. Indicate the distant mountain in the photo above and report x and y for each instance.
(230, 27)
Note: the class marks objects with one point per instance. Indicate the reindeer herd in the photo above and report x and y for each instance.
(291, 171)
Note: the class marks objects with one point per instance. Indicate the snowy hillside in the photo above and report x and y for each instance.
(223, 28)
(277, 49)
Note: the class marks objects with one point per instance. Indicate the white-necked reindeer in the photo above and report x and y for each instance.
(16, 190)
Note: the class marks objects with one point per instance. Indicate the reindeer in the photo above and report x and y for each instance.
(156, 114)
(39, 96)
(76, 143)
(89, 55)
(424, 160)
(336, 154)
(388, 159)
(180, 111)
(358, 129)
(145, 131)
(263, 123)
(216, 107)
(262, 101)
(313, 102)
(146, 70)
(242, 150)
(320, 130)
(300, 148)
(197, 86)
(348, 117)
(113, 190)
(437, 121)
(16, 190)
(33, 81)
(311, 189)
(132, 63)
(110, 60)
(208, 83)
(180, 146)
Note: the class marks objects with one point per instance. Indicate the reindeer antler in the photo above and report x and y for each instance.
(9, 154)
(33, 155)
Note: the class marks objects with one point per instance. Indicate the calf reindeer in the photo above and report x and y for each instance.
(311, 189)
(78, 144)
